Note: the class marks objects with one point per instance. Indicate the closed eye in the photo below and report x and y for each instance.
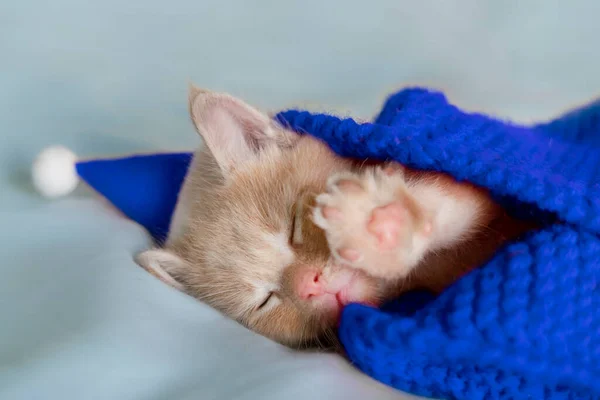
(265, 301)
(296, 238)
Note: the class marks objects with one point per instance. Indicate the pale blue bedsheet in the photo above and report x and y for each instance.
(78, 319)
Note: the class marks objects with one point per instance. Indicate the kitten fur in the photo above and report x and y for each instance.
(279, 233)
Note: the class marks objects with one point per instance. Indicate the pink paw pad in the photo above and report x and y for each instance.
(349, 254)
(331, 213)
(386, 224)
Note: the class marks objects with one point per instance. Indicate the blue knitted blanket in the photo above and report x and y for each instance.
(527, 324)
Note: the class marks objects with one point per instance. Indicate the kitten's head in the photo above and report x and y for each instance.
(244, 240)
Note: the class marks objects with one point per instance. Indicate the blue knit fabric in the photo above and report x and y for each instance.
(527, 324)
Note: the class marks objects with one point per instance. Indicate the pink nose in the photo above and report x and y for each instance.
(309, 284)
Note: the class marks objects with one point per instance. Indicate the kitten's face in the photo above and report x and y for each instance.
(243, 239)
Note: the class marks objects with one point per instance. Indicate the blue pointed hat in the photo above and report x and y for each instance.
(144, 187)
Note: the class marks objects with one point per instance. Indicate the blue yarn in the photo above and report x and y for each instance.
(526, 325)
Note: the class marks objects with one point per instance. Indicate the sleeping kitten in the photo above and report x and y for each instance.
(279, 233)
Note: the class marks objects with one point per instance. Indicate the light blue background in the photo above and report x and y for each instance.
(78, 319)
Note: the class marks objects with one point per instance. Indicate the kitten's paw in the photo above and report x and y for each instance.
(372, 222)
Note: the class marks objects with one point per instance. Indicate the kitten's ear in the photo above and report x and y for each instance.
(233, 131)
(161, 263)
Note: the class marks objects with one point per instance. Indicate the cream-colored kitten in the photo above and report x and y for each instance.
(279, 233)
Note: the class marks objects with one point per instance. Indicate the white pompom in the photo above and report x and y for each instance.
(54, 173)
